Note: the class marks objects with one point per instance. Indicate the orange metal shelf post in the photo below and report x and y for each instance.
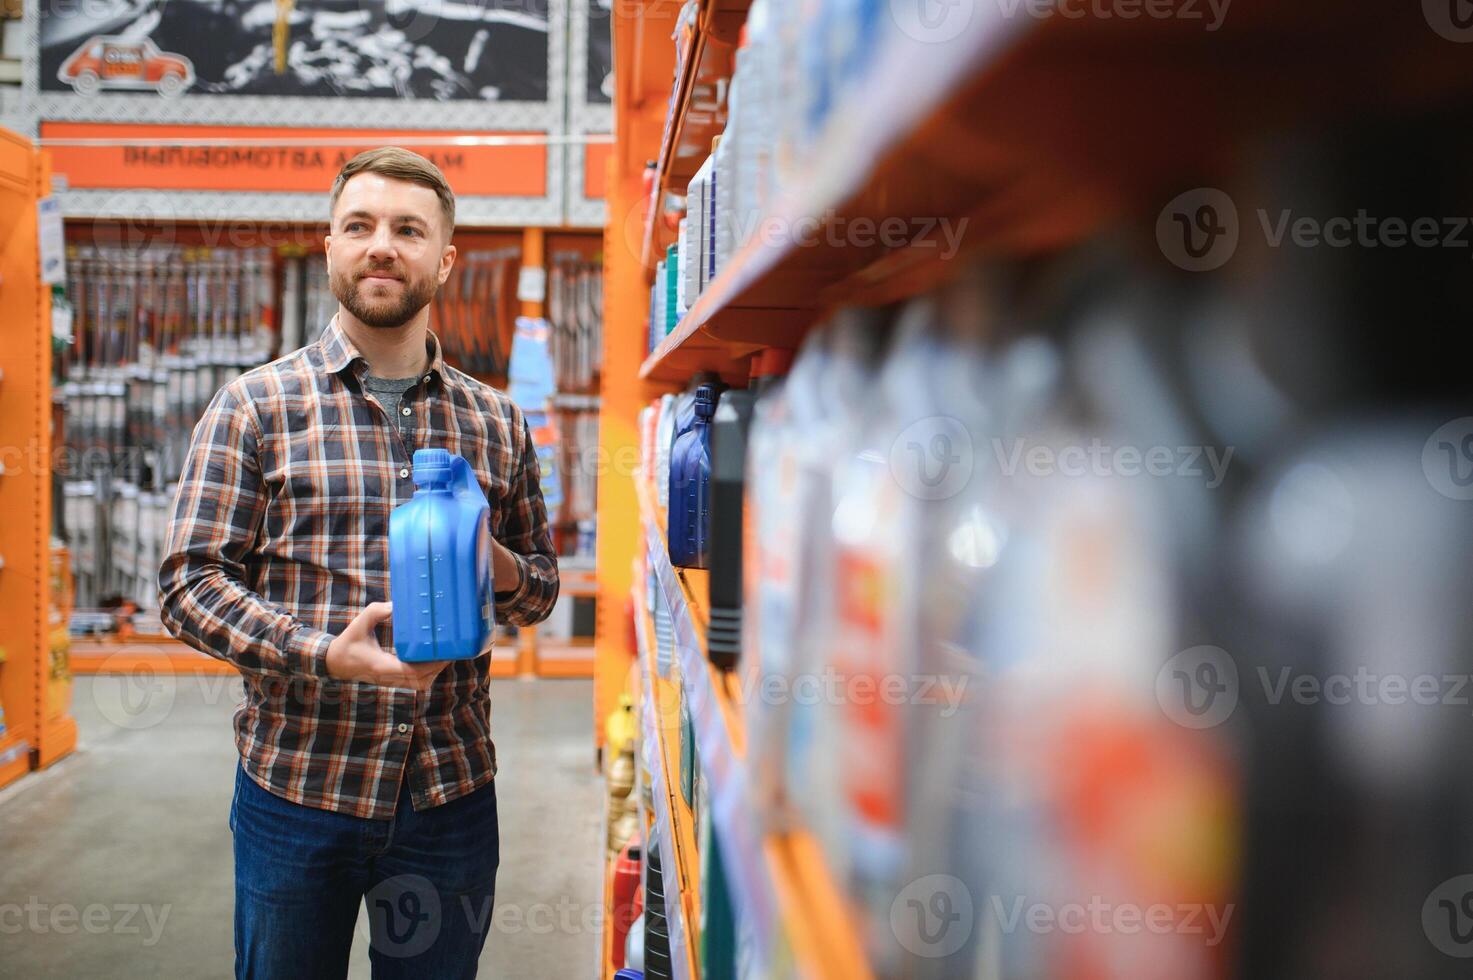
(38, 729)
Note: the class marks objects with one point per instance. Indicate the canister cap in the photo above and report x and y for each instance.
(431, 466)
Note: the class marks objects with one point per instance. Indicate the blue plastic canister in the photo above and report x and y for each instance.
(440, 563)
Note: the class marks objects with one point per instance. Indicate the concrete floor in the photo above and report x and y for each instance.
(117, 862)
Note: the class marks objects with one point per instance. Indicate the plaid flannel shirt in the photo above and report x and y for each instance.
(280, 536)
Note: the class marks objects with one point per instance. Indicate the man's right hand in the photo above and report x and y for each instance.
(355, 655)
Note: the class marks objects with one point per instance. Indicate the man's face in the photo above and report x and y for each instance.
(389, 249)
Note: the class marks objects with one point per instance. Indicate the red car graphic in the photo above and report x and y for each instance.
(125, 63)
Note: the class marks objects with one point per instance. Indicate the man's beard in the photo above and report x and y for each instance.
(386, 312)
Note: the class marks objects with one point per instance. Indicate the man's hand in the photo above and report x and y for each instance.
(355, 655)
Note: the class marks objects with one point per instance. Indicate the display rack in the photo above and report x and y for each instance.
(33, 680)
(1023, 135)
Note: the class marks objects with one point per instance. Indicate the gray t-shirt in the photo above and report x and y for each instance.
(390, 394)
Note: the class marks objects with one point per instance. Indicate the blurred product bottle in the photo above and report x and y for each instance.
(795, 439)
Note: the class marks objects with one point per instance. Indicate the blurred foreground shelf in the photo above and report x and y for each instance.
(785, 897)
(1031, 134)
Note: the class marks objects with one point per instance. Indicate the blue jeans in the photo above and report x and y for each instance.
(428, 879)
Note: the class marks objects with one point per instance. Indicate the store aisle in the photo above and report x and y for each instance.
(117, 862)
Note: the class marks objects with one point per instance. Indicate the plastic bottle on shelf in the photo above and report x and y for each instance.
(659, 308)
(664, 438)
(727, 535)
(863, 747)
(690, 470)
(795, 434)
(440, 563)
(628, 867)
(673, 309)
(684, 263)
(760, 82)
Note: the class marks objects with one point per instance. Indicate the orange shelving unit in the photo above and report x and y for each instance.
(1010, 138)
(33, 682)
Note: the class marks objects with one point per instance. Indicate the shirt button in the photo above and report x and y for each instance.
(406, 410)
(403, 728)
(427, 379)
(404, 472)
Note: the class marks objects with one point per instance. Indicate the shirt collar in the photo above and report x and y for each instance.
(339, 352)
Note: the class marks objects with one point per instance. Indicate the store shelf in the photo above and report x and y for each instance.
(1026, 148)
(789, 903)
(162, 656)
(660, 725)
(803, 257)
(704, 58)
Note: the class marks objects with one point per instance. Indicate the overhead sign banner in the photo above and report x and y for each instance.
(443, 50)
(494, 171)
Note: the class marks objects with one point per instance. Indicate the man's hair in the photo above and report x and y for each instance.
(400, 164)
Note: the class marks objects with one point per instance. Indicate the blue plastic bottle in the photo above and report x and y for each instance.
(690, 481)
(699, 515)
(440, 563)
